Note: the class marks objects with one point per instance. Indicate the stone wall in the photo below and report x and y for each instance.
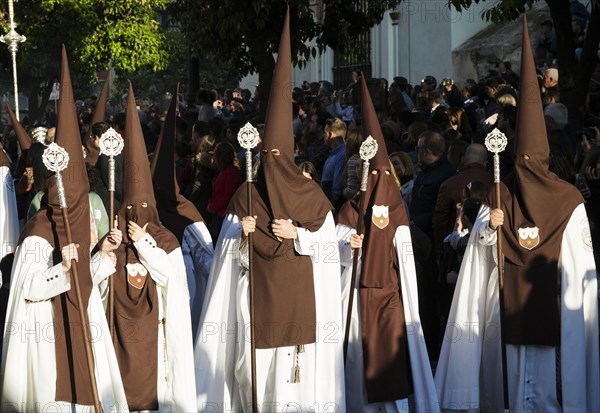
(498, 42)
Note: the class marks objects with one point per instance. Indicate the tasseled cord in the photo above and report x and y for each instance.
(299, 349)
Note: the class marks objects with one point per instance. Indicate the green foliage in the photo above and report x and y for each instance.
(245, 32)
(123, 34)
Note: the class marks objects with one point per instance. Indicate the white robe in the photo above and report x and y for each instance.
(469, 373)
(424, 398)
(175, 379)
(9, 218)
(197, 249)
(28, 354)
(222, 351)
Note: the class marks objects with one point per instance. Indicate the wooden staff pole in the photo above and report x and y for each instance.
(495, 142)
(248, 138)
(111, 145)
(111, 223)
(368, 150)
(83, 319)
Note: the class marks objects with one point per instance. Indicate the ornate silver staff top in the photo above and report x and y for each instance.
(111, 145)
(56, 159)
(367, 151)
(495, 142)
(248, 139)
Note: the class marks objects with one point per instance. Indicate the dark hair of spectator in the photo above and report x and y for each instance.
(224, 156)
(310, 169)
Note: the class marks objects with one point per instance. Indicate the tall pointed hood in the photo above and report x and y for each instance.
(99, 115)
(137, 181)
(290, 194)
(385, 366)
(278, 121)
(73, 384)
(22, 136)
(532, 232)
(174, 210)
(4, 160)
(532, 138)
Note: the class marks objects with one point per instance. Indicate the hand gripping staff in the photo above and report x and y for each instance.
(56, 159)
(367, 151)
(248, 138)
(111, 145)
(495, 142)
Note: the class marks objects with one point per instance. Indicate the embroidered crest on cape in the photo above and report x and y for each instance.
(529, 237)
(381, 216)
(136, 275)
(586, 235)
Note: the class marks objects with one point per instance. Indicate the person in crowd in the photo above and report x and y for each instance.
(333, 169)
(226, 182)
(350, 177)
(309, 171)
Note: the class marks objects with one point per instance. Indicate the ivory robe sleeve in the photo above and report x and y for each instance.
(197, 249)
(9, 218)
(168, 271)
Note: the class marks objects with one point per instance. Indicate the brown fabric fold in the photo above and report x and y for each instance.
(285, 312)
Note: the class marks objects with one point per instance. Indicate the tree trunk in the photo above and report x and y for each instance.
(265, 77)
(574, 74)
(34, 92)
(589, 59)
(193, 78)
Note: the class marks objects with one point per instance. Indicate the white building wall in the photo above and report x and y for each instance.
(420, 44)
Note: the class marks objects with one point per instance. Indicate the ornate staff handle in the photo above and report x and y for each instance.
(495, 142)
(367, 151)
(56, 159)
(248, 139)
(111, 145)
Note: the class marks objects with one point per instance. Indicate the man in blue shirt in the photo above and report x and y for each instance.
(333, 170)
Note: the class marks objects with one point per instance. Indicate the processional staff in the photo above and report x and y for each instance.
(248, 139)
(111, 145)
(495, 142)
(367, 151)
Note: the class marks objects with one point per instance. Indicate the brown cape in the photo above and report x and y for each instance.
(284, 287)
(533, 197)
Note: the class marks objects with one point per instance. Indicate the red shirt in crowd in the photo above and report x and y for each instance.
(224, 186)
